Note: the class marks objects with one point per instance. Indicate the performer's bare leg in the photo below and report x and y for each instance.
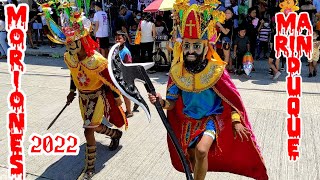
(310, 68)
(201, 152)
(315, 64)
(275, 67)
(227, 59)
(127, 102)
(89, 134)
(29, 35)
(103, 52)
(192, 158)
(106, 52)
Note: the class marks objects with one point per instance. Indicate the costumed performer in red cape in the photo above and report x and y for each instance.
(204, 107)
(98, 96)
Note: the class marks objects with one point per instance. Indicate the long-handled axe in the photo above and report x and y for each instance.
(123, 76)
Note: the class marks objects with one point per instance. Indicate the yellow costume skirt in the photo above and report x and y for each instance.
(94, 105)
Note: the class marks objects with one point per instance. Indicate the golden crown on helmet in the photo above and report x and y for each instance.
(197, 21)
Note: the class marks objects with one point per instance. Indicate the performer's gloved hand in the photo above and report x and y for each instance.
(240, 130)
(118, 101)
(153, 98)
(70, 97)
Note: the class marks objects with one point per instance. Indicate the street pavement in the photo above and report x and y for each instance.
(143, 153)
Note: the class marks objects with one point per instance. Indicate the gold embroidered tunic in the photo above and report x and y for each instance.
(91, 78)
(86, 74)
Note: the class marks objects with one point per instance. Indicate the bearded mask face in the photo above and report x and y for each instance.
(74, 47)
(194, 53)
(194, 49)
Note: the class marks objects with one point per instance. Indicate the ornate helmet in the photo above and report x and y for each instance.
(198, 21)
(288, 6)
(74, 25)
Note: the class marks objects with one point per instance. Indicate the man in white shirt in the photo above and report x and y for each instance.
(101, 29)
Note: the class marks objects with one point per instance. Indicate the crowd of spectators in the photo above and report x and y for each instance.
(245, 29)
(253, 31)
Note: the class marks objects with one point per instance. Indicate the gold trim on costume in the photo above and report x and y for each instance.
(90, 67)
(95, 62)
(124, 117)
(197, 82)
(93, 109)
(172, 95)
(71, 60)
(241, 119)
(55, 39)
(228, 102)
(235, 116)
(166, 104)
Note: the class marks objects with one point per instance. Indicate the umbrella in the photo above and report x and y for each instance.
(160, 5)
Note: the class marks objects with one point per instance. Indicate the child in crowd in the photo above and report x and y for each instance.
(274, 62)
(315, 55)
(125, 55)
(241, 46)
(264, 35)
(135, 51)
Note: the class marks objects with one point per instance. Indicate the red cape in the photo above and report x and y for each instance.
(117, 115)
(226, 154)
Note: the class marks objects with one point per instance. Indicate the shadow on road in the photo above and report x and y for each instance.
(70, 167)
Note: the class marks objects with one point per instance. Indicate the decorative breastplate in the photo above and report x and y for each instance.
(85, 73)
(198, 81)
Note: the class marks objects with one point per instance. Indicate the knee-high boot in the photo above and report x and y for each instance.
(114, 134)
(90, 159)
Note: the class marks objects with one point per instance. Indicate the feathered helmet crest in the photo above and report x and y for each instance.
(74, 25)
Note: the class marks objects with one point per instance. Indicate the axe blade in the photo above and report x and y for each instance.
(124, 76)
